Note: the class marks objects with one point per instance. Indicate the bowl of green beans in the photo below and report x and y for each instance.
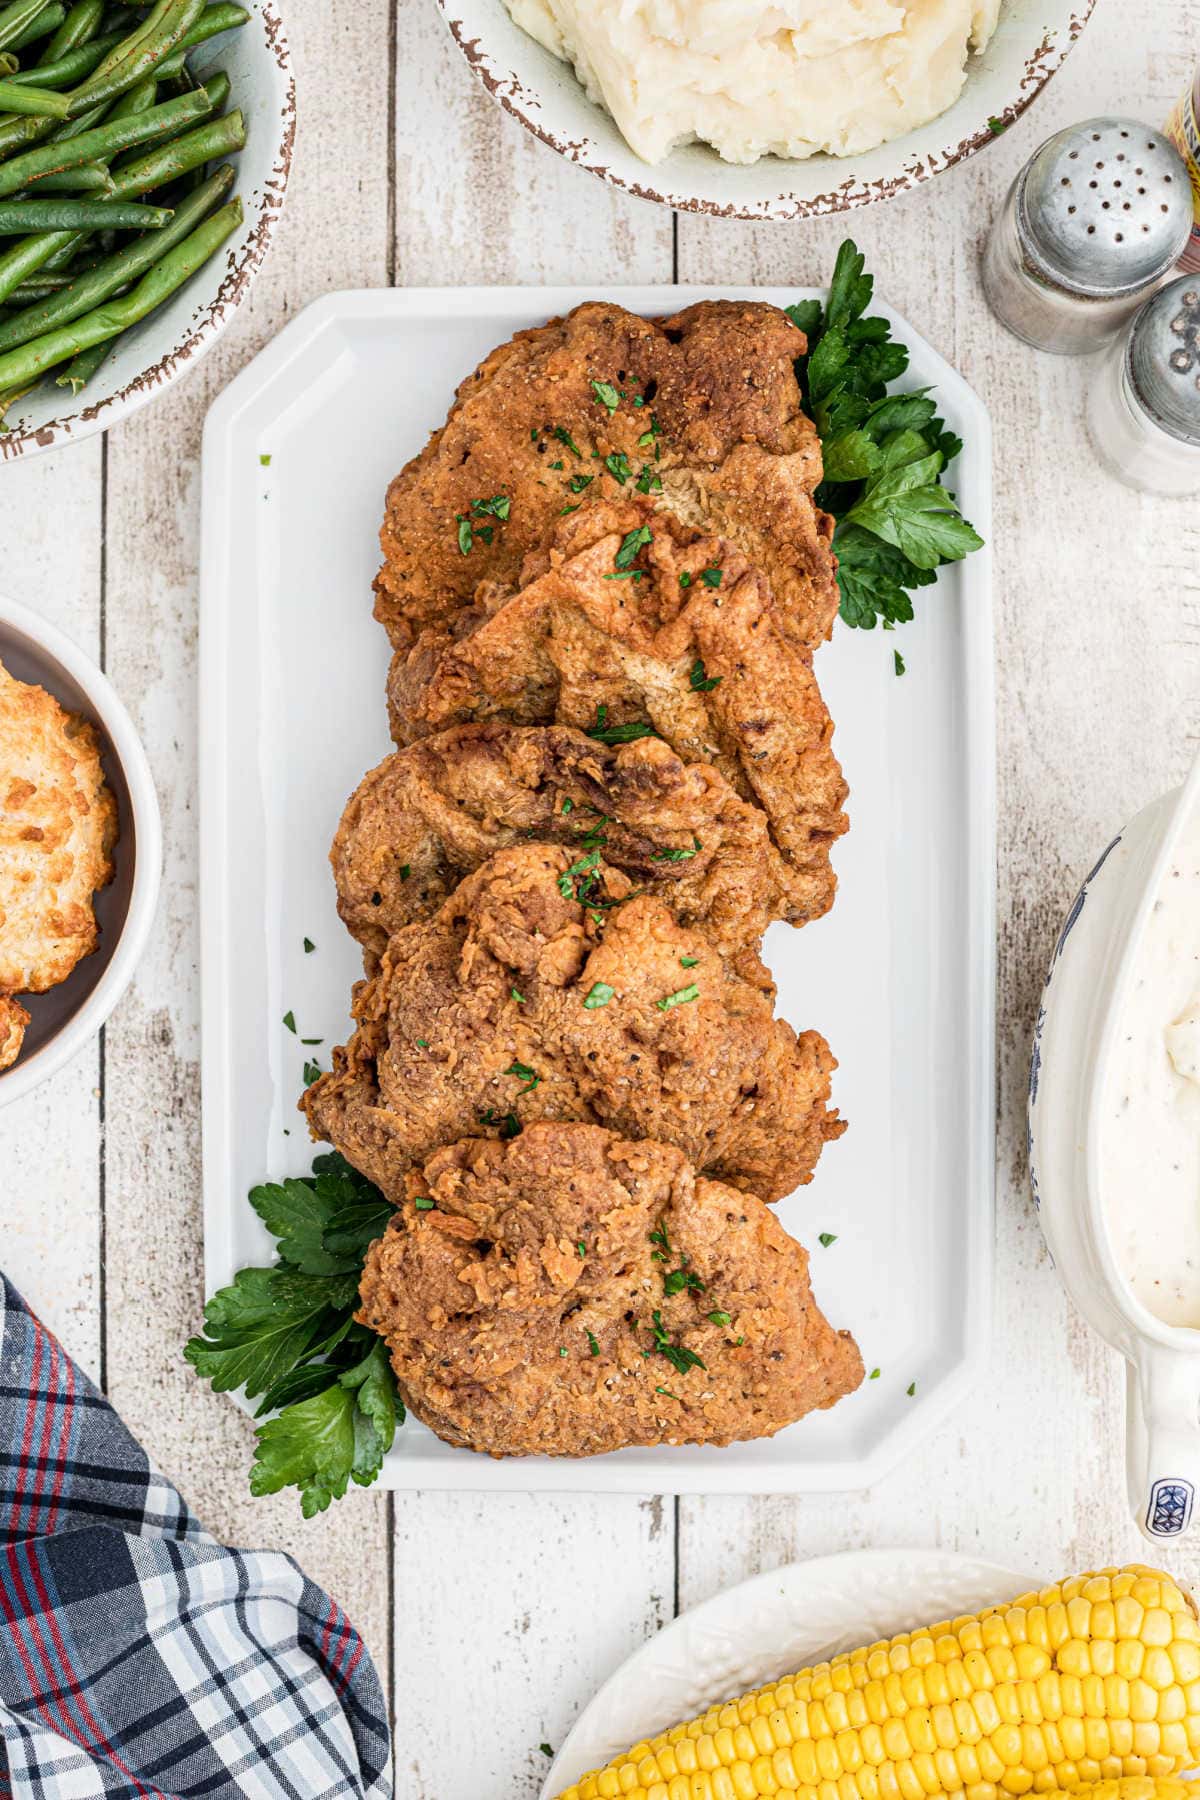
(144, 156)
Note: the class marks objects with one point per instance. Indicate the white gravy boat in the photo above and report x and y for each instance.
(1090, 974)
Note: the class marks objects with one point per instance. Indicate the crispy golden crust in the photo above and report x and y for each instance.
(519, 1309)
(724, 435)
(13, 1020)
(519, 998)
(57, 829)
(707, 666)
(432, 813)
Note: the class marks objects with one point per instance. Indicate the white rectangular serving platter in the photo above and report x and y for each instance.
(899, 977)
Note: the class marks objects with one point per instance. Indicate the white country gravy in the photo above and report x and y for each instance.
(1150, 1130)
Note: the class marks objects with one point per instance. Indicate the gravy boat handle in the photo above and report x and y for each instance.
(1162, 1440)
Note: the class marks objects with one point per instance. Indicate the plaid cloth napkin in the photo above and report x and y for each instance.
(137, 1656)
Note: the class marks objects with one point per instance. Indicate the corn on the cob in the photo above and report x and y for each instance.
(1090, 1680)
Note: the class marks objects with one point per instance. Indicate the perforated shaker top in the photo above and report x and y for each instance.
(1163, 358)
(1104, 207)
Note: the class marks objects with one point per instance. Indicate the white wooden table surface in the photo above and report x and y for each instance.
(493, 1620)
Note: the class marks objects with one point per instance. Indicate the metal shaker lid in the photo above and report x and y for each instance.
(1162, 357)
(1104, 207)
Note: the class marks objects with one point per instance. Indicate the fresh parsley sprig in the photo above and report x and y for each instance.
(287, 1333)
(884, 453)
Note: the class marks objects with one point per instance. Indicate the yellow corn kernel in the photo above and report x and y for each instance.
(1093, 1681)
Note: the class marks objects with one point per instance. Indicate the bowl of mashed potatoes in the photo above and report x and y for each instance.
(765, 109)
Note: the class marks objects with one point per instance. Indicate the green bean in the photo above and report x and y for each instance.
(212, 21)
(9, 400)
(17, 17)
(167, 162)
(139, 99)
(9, 64)
(89, 178)
(71, 68)
(108, 321)
(40, 287)
(79, 27)
(19, 216)
(116, 271)
(141, 52)
(102, 143)
(16, 98)
(46, 22)
(32, 253)
(79, 372)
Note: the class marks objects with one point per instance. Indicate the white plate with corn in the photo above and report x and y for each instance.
(1024, 1688)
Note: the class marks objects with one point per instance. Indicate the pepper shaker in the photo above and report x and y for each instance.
(1098, 215)
(1144, 405)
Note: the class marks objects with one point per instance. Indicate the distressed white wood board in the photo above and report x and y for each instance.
(292, 674)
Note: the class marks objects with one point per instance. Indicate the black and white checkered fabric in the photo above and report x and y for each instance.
(137, 1656)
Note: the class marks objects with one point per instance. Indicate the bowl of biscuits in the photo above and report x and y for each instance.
(80, 849)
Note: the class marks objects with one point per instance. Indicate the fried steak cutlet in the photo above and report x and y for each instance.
(545, 988)
(702, 411)
(630, 624)
(13, 1020)
(430, 814)
(574, 1292)
(58, 823)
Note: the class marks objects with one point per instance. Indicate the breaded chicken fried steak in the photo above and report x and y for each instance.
(58, 823)
(574, 1292)
(701, 412)
(546, 987)
(430, 814)
(631, 626)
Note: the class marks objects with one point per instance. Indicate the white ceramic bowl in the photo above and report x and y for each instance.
(65, 1018)
(172, 339)
(1031, 42)
(1090, 973)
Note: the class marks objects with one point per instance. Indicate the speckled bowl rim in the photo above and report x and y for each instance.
(508, 91)
(203, 332)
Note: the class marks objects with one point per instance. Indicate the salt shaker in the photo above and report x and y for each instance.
(1144, 405)
(1094, 220)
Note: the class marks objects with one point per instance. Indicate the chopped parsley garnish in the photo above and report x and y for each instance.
(524, 1073)
(599, 994)
(720, 1318)
(309, 946)
(681, 998)
(659, 1236)
(688, 962)
(564, 437)
(677, 855)
(289, 1019)
(466, 536)
(594, 834)
(577, 483)
(498, 506)
(678, 1355)
(568, 804)
(562, 1350)
(825, 1238)
(423, 1203)
(874, 1375)
(558, 464)
(700, 682)
(581, 1247)
(631, 543)
(517, 996)
(898, 662)
(422, 1043)
(649, 481)
(647, 438)
(312, 1073)
(996, 126)
(573, 889)
(593, 1341)
(682, 1279)
(884, 454)
(685, 579)
(618, 467)
(510, 1125)
(618, 734)
(668, 1393)
(911, 1389)
(312, 1040)
(625, 575)
(265, 460)
(405, 871)
(711, 577)
(607, 395)
(568, 509)
(545, 1750)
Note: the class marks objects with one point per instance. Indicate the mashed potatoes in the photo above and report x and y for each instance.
(759, 77)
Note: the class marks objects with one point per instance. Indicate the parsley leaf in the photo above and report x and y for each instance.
(680, 998)
(524, 1073)
(287, 1333)
(884, 453)
(607, 395)
(599, 994)
(674, 856)
(618, 467)
(564, 437)
(628, 733)
(700, 682)
(631, 543)
(678, 1355)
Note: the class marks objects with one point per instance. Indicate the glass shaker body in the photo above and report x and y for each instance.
(1127, 440)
